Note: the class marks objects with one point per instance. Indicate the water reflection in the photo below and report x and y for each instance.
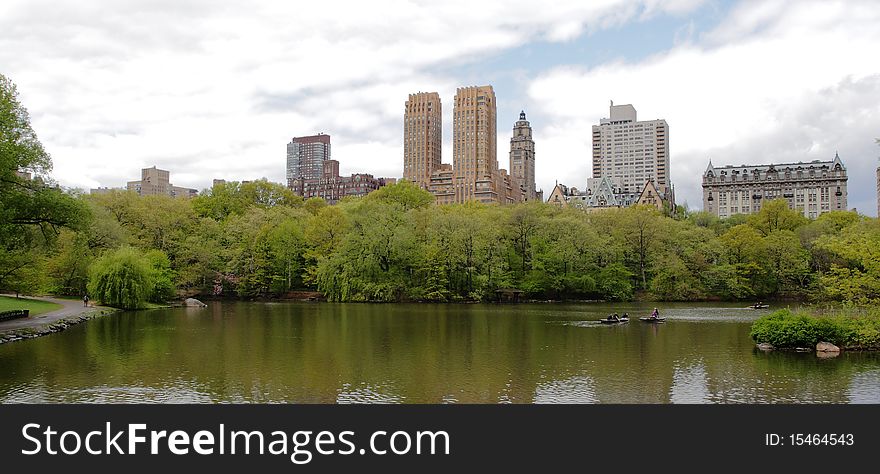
(690, 385)
(359, 353)
(572, 390)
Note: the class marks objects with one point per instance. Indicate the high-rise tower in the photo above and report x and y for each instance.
(474, 146)
(522, 158)
(306, 157)
(631, 150)
(422, 137)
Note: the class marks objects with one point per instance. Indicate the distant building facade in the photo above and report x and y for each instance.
(632, 151)
(331, 187)
(422, 137)
(607, 193)
(155, 182)
(306, 156)
(812, 188)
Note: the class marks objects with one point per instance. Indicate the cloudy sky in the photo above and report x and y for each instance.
(216, 88)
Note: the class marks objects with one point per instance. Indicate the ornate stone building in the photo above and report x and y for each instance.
(810, 188)
(522, 160)
(607, 193)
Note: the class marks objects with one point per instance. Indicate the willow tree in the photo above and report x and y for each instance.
(123, 278)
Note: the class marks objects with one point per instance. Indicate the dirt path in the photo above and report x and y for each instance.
(70, 309)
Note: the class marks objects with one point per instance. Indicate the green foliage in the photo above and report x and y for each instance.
(784, 329)
(775, 215)
(32, 211)
(122, 278)
(234, 198)
(404, 194)
(163, 277)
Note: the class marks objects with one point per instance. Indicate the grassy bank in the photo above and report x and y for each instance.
(857, 328)
(35, 307)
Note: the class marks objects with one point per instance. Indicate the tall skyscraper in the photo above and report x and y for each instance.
(522, 158)
(474, 146)
(631, 150)
(422, 137)
(306, 156)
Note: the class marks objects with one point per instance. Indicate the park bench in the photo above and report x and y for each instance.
(14, 314)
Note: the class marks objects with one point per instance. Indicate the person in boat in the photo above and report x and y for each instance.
(615, 317)
(626, 315)
(655, 314)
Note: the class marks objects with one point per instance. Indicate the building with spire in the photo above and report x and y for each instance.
(811, 188)
(522, 160)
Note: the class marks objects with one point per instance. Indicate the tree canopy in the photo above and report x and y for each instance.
(33, 211)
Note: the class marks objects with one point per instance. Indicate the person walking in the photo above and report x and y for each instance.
(86, 301)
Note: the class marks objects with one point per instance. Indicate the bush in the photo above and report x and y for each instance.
(122, 278)
(785, 329)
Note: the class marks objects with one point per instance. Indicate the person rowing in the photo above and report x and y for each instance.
(655, 314)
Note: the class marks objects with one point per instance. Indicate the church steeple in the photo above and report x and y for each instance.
(522, 114)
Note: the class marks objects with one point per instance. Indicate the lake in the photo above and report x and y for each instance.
(233, 352)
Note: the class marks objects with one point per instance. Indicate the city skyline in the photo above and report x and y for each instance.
(738, 83)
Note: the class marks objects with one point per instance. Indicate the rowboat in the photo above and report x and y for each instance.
(614, 321)
(652, 320)
(758, 306)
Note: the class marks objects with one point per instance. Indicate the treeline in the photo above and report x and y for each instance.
(258, 240)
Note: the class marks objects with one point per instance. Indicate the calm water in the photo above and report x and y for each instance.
(342, 353)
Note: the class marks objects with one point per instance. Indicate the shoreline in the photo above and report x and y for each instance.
(71, 313)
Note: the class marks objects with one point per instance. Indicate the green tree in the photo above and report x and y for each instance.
(776, 215)
(854, 274)
(234, 198)
(122, 278)
(787, 261)
(404, 193)
(32, 211)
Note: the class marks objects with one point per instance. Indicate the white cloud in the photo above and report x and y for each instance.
(776, 81)
(217, 88)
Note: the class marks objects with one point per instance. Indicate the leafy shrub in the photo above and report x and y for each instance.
(785, 329)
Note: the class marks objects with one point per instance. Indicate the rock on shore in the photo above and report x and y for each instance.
(826, 347)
